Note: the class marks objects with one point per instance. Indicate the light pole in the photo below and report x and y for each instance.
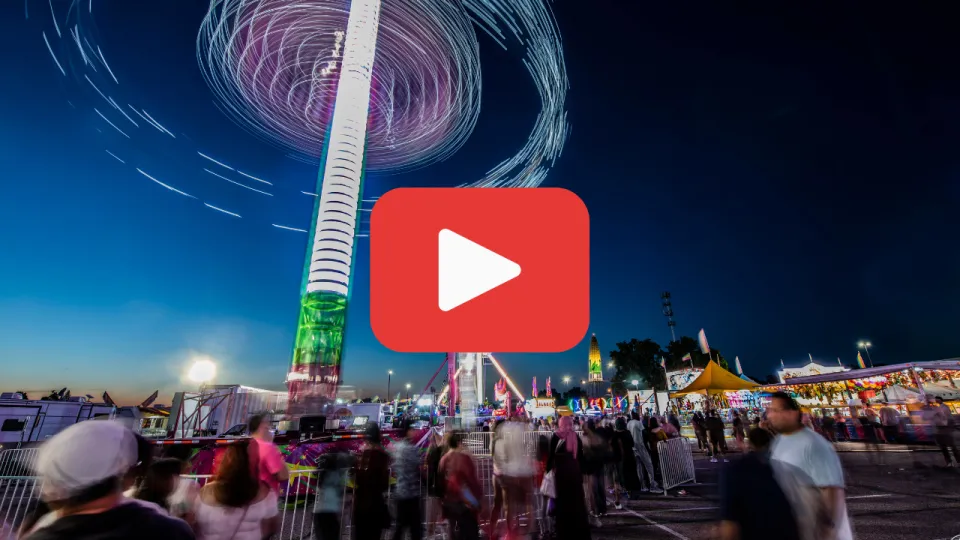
(389, 374)
(865, 345)
(566, 381)
(408, 391)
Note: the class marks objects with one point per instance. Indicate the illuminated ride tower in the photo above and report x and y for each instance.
(314, 374)
(595, 367)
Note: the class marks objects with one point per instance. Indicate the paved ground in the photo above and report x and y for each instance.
(890, 496)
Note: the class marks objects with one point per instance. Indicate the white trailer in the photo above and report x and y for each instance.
(219, 409)
(24, 421)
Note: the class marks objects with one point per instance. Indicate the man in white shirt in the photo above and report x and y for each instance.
(813, 461)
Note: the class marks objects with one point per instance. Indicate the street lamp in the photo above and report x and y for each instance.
(389, 374)
(865, 345)
(408, 391)
(566, 381)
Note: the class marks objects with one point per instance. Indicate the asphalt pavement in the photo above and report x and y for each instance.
(890, 496)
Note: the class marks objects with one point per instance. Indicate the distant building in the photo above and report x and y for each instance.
(347, 393)
(812, 368)
(595, 366)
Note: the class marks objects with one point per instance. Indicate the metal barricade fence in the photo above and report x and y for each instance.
(20, 491)
(19, 488)
(676, 463)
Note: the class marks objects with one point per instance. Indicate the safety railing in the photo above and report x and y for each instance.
(20, 493)
(676, 463)
(19, 488)
(479, 443)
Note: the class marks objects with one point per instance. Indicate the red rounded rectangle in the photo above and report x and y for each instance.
(464, 292)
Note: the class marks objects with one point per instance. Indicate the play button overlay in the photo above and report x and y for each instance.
(468, 270)
(479, 269)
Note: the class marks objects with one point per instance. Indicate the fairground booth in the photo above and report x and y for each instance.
(715, 388)
(857, 394)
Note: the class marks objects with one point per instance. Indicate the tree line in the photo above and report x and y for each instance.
(640, 360)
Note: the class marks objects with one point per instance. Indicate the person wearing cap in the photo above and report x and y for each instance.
(82, 470)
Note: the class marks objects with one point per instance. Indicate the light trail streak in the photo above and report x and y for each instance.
(503, 374)
(49, 48)
(145, 119)
(53, 15)
(104, 96)
(254, 178)
(308, 193)
(159, 125)
(125, 115)
(103, 60)
(288, 228)
(208, 205)
(220, 163)
(238, 183)
(171, 188)
(76, 39)
(115, 157)
(107, 120)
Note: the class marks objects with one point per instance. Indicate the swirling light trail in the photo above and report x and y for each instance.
(274, 67)
(271, 64)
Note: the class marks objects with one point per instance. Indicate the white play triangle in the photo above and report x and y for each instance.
(468, 270)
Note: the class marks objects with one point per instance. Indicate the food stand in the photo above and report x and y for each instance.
(905, 387)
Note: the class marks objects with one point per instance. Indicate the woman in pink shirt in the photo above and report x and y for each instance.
(265, 457)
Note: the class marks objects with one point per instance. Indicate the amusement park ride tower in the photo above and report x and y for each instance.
(315, 369)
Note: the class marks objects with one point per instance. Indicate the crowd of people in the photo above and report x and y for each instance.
(102, 482)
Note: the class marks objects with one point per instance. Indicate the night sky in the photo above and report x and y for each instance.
(790, 175)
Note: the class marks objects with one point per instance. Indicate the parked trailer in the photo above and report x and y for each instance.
(27, 421)
(218, 409)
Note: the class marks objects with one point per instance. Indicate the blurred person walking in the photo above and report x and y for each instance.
(371, 478)
(700, 430)
(463, 493)
(435, 482)
(82, 470)
(945, 432)
(565, 460)
(718, 441)
(498, 452)
(812, 461)
(738, 432)
(646, 475)
(596, 453)
(626, 465)
(890, 419)
(516, 474)
(266, 458)
(331, 483)
(236, 505)
(753, 506)
(160, 482)
(406, 493)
